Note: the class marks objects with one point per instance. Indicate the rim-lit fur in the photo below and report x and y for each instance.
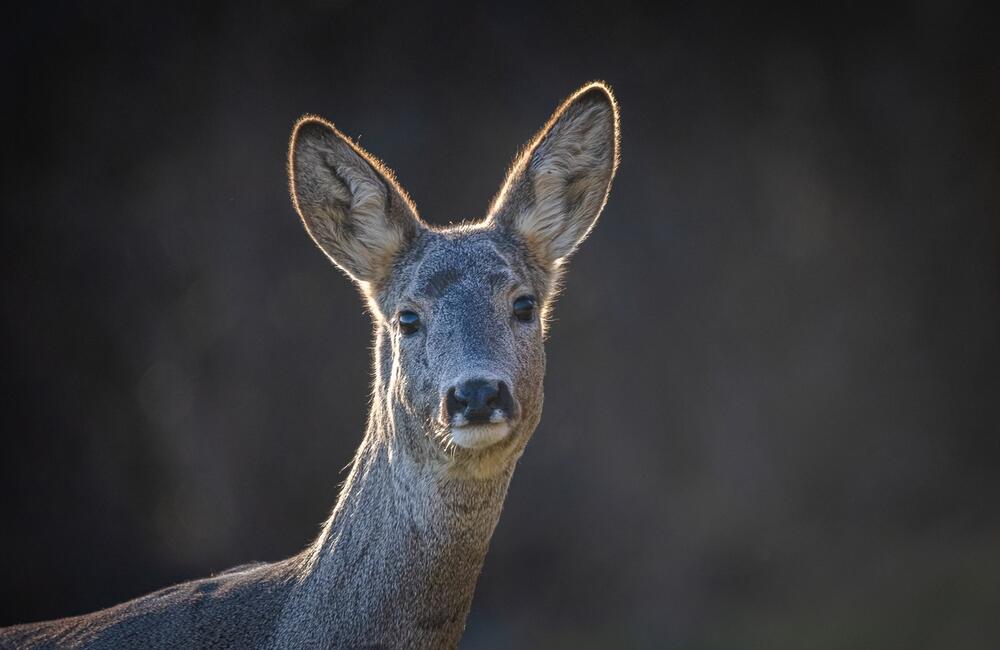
(396, 564)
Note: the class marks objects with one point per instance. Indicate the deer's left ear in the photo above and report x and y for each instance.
(558, 186)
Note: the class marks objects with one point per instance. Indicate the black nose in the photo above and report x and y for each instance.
(477, 399)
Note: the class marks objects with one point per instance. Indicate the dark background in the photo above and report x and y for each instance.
(771, 416)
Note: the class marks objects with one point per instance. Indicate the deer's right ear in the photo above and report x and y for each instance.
(349, 202)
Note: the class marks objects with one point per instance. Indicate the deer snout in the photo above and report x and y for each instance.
(479, 401)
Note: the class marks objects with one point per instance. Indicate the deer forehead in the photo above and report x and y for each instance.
(447, 267)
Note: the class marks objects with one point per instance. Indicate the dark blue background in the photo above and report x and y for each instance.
(772, 398)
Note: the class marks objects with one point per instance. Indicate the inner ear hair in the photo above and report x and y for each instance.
(558, 186)
(348, 201)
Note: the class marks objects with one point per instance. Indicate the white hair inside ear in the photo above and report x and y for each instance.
(558, 186)
(349, 202)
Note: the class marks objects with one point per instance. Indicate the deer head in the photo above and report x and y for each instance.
(460, 312)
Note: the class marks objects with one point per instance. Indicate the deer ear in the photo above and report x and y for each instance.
(558, 186)
(349, 202)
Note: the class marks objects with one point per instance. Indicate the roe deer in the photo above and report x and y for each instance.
(459, 315)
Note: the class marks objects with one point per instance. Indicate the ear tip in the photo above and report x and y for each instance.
(596, 99)
(312, 126)
(595, 93)
(596, 89)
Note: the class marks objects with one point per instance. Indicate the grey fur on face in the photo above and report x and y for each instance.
(461, 282)
(459, 316)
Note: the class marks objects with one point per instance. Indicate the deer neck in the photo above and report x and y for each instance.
(398, 559)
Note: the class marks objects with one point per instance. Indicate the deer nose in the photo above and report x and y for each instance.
(479, 401)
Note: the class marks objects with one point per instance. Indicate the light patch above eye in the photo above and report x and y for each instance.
(500, 280)
(439, 283)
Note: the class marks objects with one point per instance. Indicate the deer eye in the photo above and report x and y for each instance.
(524, 308)
(409, 322)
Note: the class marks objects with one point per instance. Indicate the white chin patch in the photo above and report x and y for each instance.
(479, 436)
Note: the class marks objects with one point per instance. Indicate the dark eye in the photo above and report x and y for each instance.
(409, 322)
(524, 308)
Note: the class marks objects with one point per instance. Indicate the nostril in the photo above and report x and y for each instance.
(454, 403)
(458, 397)
(489, 395)
(504, 400)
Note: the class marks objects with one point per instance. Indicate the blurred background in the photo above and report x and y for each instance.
(772, 397)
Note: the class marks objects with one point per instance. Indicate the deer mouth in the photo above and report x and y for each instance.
(479, 436)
